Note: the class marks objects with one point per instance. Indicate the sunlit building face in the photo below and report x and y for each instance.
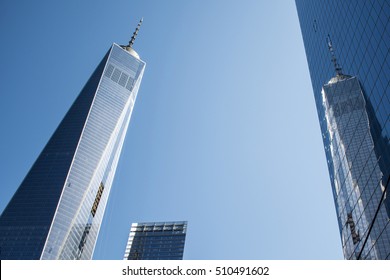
(57, 211)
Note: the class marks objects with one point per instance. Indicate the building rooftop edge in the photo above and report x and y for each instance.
(338, 78)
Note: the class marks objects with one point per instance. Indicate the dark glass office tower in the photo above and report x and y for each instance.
(353, 105)
(57, 211)
(156, 241)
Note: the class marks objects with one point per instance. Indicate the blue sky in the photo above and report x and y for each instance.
(224, 133)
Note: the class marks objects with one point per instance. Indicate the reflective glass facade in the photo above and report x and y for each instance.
(354, 112)
(57, 211)
(156, 241)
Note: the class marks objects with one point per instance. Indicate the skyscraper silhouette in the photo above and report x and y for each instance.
(353, 105)
(57, 210)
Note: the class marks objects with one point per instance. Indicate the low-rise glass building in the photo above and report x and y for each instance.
(156, 241)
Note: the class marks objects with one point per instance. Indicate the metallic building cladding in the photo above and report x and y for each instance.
(94, 135)
(156, 241)
(356, 128)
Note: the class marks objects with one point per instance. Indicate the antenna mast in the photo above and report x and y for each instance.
(334, 60)
(131, 42)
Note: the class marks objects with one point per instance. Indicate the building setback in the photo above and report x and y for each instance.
(57, 210)
(353, 106)
(156, 241)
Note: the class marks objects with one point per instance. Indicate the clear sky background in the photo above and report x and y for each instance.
(224, 133)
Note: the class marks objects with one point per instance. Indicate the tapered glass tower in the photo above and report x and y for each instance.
(353, 107)
(57, 211)
(156, 241)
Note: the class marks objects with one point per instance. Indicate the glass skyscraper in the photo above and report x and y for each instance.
(156, 241)
(353, 105)
(57, 210)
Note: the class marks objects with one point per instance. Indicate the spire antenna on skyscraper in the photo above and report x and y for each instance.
(337, 67)
(71, 179)
(131, 42)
